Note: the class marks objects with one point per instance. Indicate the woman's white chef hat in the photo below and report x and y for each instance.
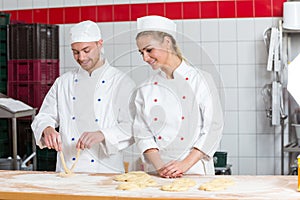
(86, 31)
(156, 23)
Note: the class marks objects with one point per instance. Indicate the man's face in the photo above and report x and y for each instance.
(87, 54)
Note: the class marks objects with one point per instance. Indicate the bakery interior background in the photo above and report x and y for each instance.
(231, 34)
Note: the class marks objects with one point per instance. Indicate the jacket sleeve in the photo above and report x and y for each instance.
(119, 136)
(142, 133)
(212, 117)
(47, 116)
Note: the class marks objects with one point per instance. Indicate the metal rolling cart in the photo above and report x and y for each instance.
(6, 112)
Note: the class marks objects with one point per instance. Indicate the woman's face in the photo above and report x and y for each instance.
(153, 51)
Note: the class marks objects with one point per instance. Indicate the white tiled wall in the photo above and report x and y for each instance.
(235, 48)
(232, 47)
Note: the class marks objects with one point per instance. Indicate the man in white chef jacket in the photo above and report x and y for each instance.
(90, 105)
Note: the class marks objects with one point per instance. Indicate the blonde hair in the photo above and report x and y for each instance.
(159, 36)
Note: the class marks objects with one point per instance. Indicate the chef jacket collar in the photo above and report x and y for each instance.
(95, 73)
(179, 71)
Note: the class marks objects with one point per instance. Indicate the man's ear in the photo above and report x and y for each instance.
(100, 42)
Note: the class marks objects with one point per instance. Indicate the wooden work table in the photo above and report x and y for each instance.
(34, 185)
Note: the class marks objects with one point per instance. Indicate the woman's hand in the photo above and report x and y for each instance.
(88, 139)
(176, 168)
(173, 169)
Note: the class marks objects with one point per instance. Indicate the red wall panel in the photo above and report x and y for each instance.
(172, 10)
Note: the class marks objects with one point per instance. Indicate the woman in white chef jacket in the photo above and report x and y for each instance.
(179, 119)
(90, 107)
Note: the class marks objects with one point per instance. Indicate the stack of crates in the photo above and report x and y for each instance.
(33, 66)
(4, 123)
(4, 21)
(33, 63)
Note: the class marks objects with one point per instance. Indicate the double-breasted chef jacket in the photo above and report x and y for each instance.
(78, 102)
(176, 115)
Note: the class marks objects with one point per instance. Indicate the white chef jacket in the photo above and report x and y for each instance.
(175, 115)
(78, 102)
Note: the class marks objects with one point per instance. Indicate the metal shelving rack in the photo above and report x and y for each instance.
(6, 113)
(290, 39)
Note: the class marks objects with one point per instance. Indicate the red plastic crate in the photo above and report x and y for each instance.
(44, 71)
(31, 93)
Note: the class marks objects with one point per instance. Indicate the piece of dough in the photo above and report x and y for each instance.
(68, 172)
(134, 180)
(129, 186)
(174, 187)
(181, 184)
(217, 184)
(185, 181)
(76, 160)
(133, 176)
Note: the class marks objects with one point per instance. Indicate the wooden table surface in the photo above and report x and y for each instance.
(36, 185)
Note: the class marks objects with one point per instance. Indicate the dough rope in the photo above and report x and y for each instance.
(76, 160)
(68, 172)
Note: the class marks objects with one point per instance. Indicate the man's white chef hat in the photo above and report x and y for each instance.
(86, 31)
(156, 23)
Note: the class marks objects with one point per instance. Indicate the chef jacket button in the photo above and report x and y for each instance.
(155, 100)
(96, 120)
(76, 80)
(155, 83)
(99, 99)
(103, 81)
(155, 119)
(187, 78)
(182, 117)
(73, 158)
(183, 97)
(159, 137)
(92, 160)
(73, 139)
(73, 118)
(181, 138)
(73, 98)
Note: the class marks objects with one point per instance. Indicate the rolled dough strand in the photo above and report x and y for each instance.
(67, 170)
(76, 160)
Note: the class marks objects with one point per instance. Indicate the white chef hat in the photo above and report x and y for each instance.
(156, 23)
(86, 31)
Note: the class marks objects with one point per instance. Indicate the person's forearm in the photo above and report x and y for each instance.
(194, 156)
(152, 156)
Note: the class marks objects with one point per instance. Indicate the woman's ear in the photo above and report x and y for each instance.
(168, 42)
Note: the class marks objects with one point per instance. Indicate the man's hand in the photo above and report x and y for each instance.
(52, 139)
(88, 139)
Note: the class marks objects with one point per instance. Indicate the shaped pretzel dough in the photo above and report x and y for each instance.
(68, 172)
